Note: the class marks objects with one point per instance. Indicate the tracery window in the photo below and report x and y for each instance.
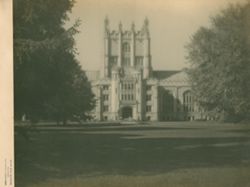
(188, 103)
(126, 47)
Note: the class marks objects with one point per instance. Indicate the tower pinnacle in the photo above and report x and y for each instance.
(133, 26)
(120, 26)
(146, 27)
(106, 25)
(146, 22)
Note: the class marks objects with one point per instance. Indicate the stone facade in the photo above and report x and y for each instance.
(128, 88)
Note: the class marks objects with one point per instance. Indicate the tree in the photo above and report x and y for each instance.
(48, 80)
(220, 63)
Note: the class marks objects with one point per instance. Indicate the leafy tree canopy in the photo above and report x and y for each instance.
(48, 80)
(220, 63)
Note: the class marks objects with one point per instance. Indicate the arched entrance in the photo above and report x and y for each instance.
(127, 112)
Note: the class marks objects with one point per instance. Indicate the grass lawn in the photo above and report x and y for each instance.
(170, 154)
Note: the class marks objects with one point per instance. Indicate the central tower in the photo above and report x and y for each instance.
(127, 50)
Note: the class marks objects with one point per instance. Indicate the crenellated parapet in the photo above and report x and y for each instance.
(106, 27)
(145, 28)
(127, 34)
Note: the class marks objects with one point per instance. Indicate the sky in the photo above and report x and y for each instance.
(171, 24)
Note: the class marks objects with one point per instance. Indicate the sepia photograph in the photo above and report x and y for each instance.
(128, 93)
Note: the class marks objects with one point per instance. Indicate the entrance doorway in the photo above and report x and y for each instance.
(127, 112)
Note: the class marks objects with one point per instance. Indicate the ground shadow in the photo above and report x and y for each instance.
(55, 154)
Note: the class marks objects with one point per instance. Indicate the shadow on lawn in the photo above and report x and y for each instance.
(60, 155)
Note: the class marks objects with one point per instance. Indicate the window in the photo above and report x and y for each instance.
(105, 97)
(105, 108)
(113, 60)
(105, 87)
(138, 61)
(127, 90)
(128, 86)
(149, 87)
(167, 101)
(148, 97)
(148, 108)
(127, 97)
(126, 47)
(188, 105)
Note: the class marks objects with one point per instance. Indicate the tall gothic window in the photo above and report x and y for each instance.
(126, 54)
(148, 87)
(128, 91)
(126, 47)
(139, 61)
(105, 97)
(148, 108)
(105, 87)
(148, 97)
(114, 60)
(105, 108)
(188, 103)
